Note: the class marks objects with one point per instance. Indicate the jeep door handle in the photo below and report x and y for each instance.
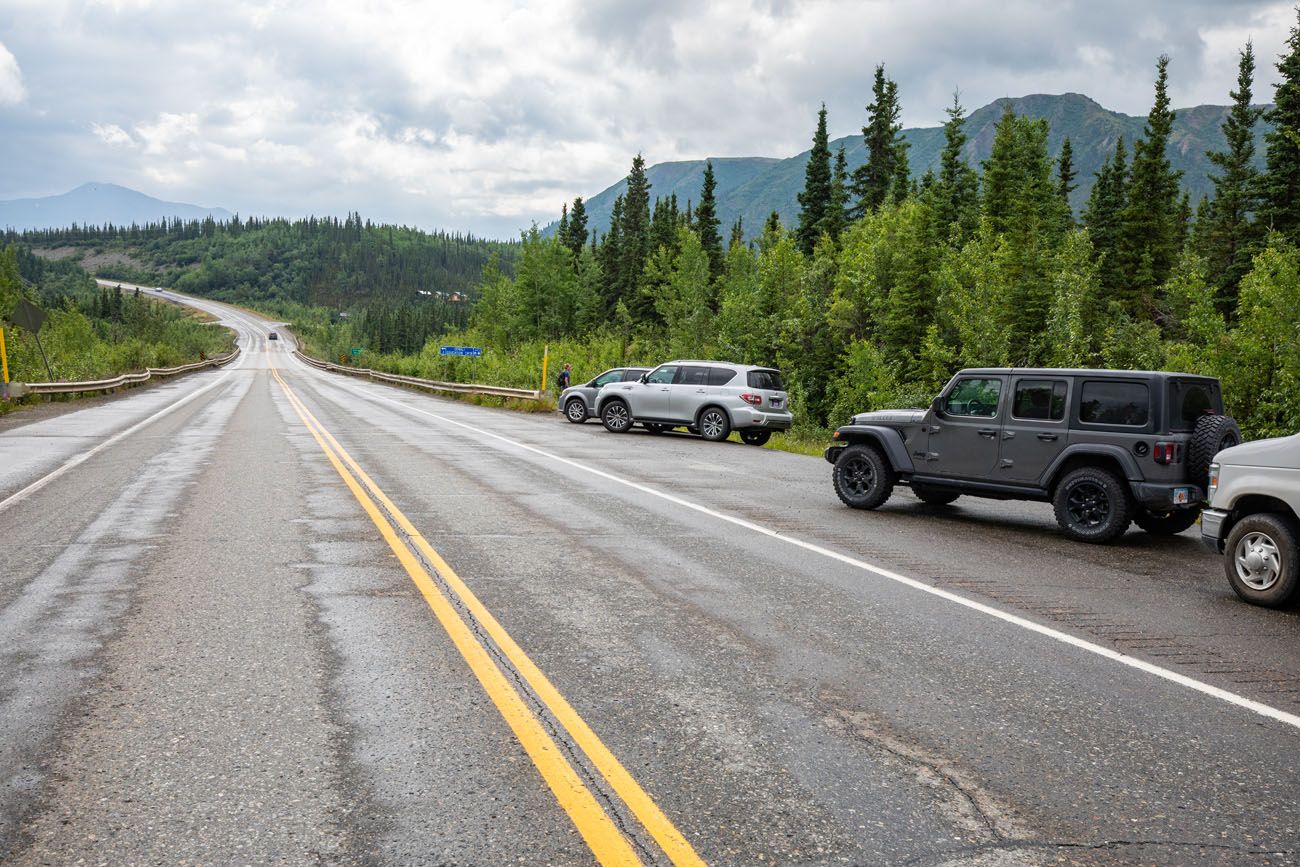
(988, 432)
(1008, 434)
(1047, 438)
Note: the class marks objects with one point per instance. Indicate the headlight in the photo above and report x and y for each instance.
(1214, 480)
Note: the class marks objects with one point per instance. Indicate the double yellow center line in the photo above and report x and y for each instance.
(594, 823)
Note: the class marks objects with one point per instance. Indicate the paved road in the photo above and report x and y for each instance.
(303, 618)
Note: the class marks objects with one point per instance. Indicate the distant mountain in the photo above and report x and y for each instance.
(753, 187)
(95, 205)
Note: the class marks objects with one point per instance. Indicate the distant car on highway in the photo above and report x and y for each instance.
(1253, 518)
(711, 398)
(272, 336)
(578, 402)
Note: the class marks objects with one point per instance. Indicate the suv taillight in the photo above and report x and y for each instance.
(1165, 453)
(752, 399)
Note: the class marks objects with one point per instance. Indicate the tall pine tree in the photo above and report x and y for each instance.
(706, 223)
(885, 170)
(1280, 187)
(1106, 204)
(815, 199)
(577, 227)
(1231, 234)
(957, 196)
(635, 243)
(1065, 174)
(1150, 234)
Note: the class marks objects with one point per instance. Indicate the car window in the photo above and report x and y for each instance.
(692, 375)
(1120, 403)
(769, 379)
(1039, 399)
(1188, 401)
(632, 374)
(721, 375)
(663, 375)
(974, 397)
(608, 377)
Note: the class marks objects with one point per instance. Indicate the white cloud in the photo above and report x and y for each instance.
(11, 78)
(111, 134)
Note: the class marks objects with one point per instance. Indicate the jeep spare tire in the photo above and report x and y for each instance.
(1212, 434)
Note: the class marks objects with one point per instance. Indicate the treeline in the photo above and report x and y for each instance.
(312, 261)
(889, 283)
(92, 332)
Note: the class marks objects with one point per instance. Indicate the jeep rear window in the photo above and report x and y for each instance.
(720, 375)
(769, 379)
(1039, 399)
(1188, 401)
(1118, 403)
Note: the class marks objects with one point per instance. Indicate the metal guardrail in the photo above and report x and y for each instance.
(432, 385)
(20, 388)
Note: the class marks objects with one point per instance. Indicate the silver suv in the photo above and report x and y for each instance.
(711, 398)
(578, 402)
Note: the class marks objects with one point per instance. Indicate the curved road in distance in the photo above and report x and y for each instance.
(298, 617)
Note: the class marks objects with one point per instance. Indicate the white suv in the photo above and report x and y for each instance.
(711, 398)
(1254, 518)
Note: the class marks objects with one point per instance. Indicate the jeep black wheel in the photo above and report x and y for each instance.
(615, 417)
(714, 425)
(862, 477)
(1212, 434)
(934, 496)
(575, 411)
(1260, 559)
(1169, 523)
(755, 437)
(1092, 505)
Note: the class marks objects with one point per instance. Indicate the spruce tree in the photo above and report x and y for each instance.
(577, 227)
(737, 233)
(1150, 235)
(706, 223)
(815, 199)
(1065, 174)
(1280, 187)
(885, 170)
(635, 242)
(1231, 236)
(610, 257)
(837, 209)
(957, 195)
(1102, 216)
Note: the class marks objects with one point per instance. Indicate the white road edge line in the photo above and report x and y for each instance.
(117, 437)
(1232, 698)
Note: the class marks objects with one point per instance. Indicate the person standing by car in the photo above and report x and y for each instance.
(563, 380)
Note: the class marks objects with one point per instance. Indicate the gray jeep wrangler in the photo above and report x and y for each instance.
(1105, 447)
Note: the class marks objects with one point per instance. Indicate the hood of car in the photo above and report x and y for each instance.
(1278, 453)
(890, 417)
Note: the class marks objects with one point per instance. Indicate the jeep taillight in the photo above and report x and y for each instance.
(752, 399)
(1165, 453)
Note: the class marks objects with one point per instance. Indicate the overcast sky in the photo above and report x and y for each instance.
(486, 115)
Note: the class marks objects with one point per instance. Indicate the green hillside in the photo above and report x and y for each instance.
(754, 187)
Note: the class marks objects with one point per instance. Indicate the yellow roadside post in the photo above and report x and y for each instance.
(546, 353)
(4, 366)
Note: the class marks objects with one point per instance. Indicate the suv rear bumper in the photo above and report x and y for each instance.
(1212, 521)
(745, 418)
(1161, 497)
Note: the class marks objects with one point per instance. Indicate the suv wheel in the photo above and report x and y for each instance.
(1092, 505)
(863, 478)
(615, 417)
(1260, 559)
(755, 437)
(1212, 434)
(934, 496)
(714, 424)
(1169, 523)
(575, 411)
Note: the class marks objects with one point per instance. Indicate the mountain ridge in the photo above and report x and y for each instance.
(773, 184)
(95, 204)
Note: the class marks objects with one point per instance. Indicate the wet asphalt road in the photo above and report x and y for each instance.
(211, 654)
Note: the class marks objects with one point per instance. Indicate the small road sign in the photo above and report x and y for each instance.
(460, 350)
(27, 315)
(356, 350)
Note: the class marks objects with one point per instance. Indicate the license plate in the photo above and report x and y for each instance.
(776, 403)
(1182, 496)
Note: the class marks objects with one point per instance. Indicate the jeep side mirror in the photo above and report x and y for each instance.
(937, 404)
